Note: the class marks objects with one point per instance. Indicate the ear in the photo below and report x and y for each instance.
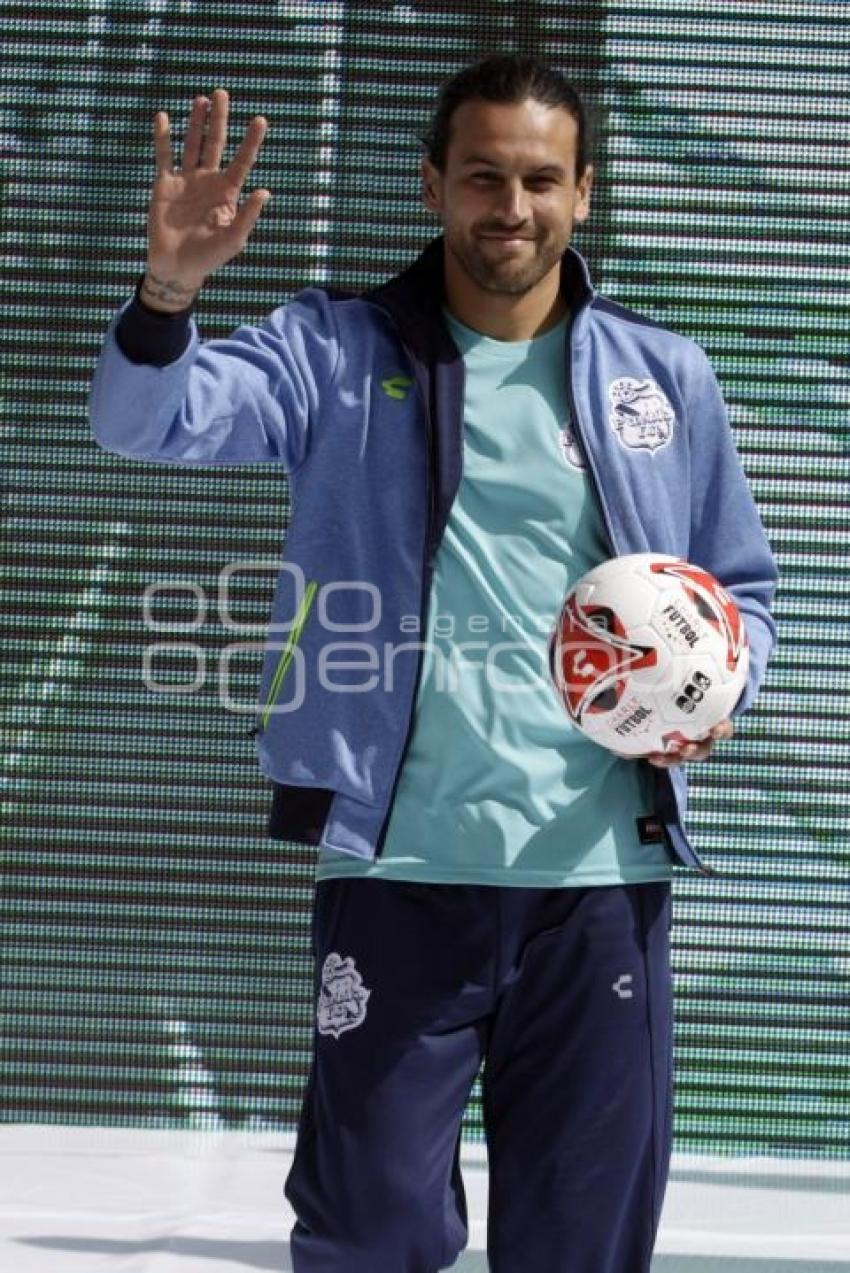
(582, 206)
(431, 181)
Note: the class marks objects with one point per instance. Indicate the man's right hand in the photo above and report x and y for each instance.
(194, 221)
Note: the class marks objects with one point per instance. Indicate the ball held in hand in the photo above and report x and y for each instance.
(649, 651)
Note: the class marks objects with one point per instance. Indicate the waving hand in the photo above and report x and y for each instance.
(195, 222)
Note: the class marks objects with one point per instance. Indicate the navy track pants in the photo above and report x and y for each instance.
(565, 994)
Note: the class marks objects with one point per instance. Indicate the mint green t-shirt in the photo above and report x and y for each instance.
(497, 786)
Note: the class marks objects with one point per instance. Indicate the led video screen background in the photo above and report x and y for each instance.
(156, 957)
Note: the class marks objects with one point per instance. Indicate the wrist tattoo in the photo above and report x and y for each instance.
(167, 290)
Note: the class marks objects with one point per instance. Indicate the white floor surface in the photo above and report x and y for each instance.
(102, 1200)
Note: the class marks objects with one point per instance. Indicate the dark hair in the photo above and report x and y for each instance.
(509, 78)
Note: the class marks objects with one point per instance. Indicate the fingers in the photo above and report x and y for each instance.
(216, 137)
(700, 750)
(245, 219)
(689, 751)
(245, 157)
(666, 760)
(207, 148)
(194, 139)
(162, 142)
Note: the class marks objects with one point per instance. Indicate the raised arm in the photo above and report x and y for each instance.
(158, 392)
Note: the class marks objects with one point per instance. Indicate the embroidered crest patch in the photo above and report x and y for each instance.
(640, 413)
(342, 997)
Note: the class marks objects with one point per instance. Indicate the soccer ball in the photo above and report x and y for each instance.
(648, 653)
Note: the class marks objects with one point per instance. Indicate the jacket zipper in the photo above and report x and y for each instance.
(595, 483)
(287, 651)
(420, 656)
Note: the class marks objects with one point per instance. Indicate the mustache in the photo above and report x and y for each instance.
(516, 232)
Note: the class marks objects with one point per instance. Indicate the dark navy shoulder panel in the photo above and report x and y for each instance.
(340, 294)
(627, 315)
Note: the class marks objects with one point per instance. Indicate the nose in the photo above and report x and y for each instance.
(513, 202)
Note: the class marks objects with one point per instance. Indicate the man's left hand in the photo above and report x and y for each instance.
(692, 751)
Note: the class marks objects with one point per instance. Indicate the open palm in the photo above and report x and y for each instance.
(195, 222)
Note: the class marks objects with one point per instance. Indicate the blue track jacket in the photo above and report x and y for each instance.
(360, 399)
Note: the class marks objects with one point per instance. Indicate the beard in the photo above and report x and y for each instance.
(506, 271)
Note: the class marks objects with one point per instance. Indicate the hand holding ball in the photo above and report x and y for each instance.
(649, 653)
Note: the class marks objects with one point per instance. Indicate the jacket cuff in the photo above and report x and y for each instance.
(146, 335)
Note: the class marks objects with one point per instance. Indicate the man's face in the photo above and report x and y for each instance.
(508, 198)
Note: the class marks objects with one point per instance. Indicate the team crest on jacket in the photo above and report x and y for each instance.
(641, 413)
(342, 997)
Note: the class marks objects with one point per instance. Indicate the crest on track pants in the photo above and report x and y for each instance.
(342, 997)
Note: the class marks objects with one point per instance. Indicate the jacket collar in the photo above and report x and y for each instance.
(414, 298)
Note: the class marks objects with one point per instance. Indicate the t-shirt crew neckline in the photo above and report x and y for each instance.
(507, 348)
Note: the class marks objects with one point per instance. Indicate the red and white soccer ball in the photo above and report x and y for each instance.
(649, 652)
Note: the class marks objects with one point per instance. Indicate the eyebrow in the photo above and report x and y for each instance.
(491, 163)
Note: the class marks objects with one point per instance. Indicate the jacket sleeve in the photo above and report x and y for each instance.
(727, 535)
(251, 398)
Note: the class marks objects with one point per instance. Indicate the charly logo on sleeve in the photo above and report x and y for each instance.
(342, 997)
(641, 414)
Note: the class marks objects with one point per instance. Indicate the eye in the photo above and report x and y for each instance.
(535, 183)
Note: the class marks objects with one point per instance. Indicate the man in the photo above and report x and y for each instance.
(490, 884)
